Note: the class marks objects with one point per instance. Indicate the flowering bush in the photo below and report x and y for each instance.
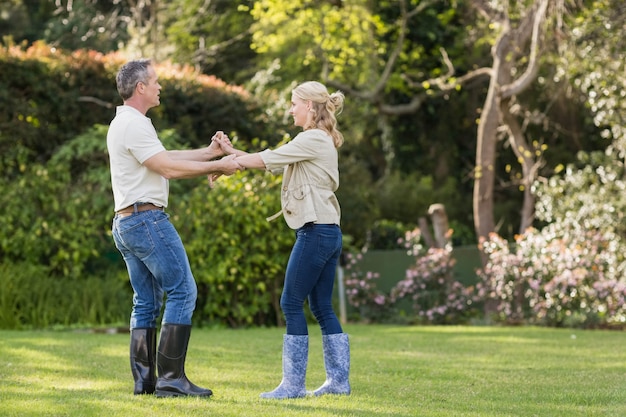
(362, 291)
(435, 297)
(553, 281)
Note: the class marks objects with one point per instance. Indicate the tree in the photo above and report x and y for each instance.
(589, 195)
(24, 19)
(593, 60)
(212, 35)
(509, 49)
(375, 52)
(370, 51)
(84, 24)
(394, 84)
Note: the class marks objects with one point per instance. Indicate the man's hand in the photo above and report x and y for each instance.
(212, 178)
(230, 165)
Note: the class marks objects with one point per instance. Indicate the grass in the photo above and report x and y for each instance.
(396, 372)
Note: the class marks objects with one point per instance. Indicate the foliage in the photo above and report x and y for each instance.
(357, 197)
(237, 256)
(49, 96)
(385, 234)
(206, 104)
(362, 292)
(593, 62)
(435, 297)
(23, 20)
(88, 24)
(554, 281)
(589, 195)
(55, 211)
(32, 297)
(213, 36)
(291, 41)
(347, 41)
(46, 233)
(75, 24)
(41, 106)
(66, 223)
(407, 197)
(56, 195)
(65, 228)
(587, 198)
(570, 273)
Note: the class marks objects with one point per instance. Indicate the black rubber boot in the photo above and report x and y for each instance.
(172, 381)
(143, 359)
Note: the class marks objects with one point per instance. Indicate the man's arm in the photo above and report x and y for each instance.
(172, 168)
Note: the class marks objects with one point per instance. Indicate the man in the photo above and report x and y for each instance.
(150, 245)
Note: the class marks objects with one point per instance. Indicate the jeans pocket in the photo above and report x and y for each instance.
(329, 241)
(138, 239)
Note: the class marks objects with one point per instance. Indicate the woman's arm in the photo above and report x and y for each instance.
(244, 159)
(250, 160)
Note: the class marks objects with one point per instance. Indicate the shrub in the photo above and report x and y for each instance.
(362, 292)
(64, 229)
(548, 280)
(49, 96)
(59, 214)
(31, 299)
(55, 186)
(238, 258)
(436, 297)
(385, 234)
(429, 285)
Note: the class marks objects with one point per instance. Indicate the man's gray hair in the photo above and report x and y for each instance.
(130, 75)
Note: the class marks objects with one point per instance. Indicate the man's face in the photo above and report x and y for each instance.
(150, 91)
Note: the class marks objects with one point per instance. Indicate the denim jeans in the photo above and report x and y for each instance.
(311, 273)
(157, 264)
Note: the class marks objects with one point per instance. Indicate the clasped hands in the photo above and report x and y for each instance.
(221, 145)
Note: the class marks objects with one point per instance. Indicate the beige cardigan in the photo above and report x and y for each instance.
(309, 164)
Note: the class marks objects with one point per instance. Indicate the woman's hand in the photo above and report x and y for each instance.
(221, 140)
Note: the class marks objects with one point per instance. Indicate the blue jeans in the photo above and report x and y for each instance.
(157, 264)
(311, 273)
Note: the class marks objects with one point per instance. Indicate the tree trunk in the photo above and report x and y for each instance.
(506, 53)
(525, 156)
(487, 138)
(439, 218)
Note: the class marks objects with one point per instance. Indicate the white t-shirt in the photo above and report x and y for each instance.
(131, 140)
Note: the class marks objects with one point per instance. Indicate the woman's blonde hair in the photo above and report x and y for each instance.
(324, 108)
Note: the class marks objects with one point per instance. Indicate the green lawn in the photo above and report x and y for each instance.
(396, 372)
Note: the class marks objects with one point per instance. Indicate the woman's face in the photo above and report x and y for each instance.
(299, 110)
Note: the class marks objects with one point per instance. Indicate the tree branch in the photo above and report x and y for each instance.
(486, 9)
(97, 101)
(373, 95)
(533, 65)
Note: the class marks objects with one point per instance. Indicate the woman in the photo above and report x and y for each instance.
(309, 164)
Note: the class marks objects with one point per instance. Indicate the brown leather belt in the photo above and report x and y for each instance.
(130, 210)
